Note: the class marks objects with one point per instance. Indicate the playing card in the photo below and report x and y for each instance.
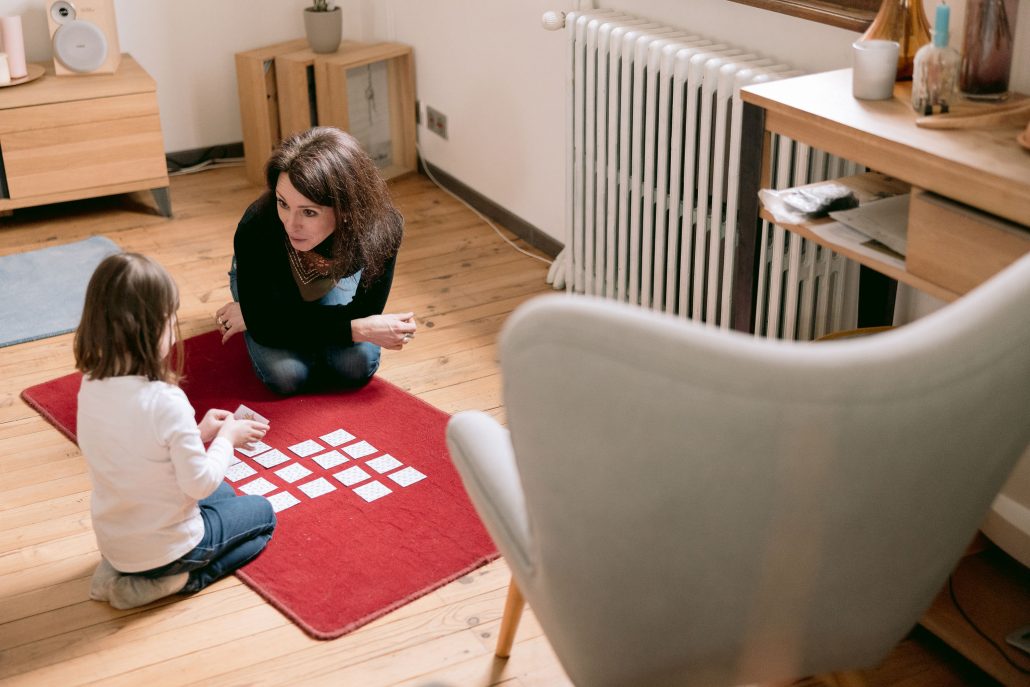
(258, 487)
(330, 460)
(238, 471)
(317, 487)
(255, 448)
(340, 436)
(372, 491)
(245, 413)
(271, 458)
(407, 476)
(360, 449)
(352, 476)
(292, 473)
(282, 501)
(306, 448)
(384, 463)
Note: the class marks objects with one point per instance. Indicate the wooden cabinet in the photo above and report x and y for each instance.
(69, 137)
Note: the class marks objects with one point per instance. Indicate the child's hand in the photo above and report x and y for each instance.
(242, 433)
(212, 422)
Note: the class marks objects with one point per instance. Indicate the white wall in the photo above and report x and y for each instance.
(487, 65)
(188, 47)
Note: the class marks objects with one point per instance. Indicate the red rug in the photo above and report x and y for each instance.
(336, 561)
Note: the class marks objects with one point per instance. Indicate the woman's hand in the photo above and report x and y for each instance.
(230, 320)
(212, 422)
(242, 433)
(391, 330)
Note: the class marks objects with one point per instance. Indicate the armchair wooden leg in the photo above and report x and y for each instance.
(510, 621)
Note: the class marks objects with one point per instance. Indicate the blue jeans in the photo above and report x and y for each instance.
(236, 529)
(287, 372)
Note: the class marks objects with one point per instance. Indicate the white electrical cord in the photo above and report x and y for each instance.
(208, 164)
(478, 213)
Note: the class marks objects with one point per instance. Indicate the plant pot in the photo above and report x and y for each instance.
(323, 29)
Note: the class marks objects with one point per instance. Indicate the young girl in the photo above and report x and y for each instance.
(164, 519)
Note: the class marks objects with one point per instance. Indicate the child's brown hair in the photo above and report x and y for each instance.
(129, 310)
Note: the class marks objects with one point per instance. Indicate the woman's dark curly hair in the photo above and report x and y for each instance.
(329, 167)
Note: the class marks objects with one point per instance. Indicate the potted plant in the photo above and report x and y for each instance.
(323, 25)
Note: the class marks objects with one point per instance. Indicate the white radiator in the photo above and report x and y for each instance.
(653, 162)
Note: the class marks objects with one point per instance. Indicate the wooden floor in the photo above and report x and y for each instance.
(462, 281)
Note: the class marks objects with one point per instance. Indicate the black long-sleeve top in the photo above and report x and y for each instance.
(275, 313)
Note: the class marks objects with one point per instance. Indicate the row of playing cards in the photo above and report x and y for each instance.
(342, 451)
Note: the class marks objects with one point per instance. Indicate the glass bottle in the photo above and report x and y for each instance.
(988, 48)
(903, 21)
(935, 72)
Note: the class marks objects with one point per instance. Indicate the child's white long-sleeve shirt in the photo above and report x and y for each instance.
(148, 467)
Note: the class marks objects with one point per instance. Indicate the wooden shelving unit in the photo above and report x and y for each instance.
(286, 88)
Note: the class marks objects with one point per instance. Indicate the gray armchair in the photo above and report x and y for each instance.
(687, 506)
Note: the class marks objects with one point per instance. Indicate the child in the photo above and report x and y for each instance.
(164, 519)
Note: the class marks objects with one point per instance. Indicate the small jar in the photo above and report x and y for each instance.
(987, 50)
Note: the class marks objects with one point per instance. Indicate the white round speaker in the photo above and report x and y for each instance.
(80, 46)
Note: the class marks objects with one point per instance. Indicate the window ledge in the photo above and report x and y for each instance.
(854, 16)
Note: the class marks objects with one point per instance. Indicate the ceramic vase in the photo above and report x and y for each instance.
(988, 46)
(903, 21)
(323, 29)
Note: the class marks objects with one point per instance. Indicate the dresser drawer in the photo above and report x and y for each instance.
(959, 247)
(53, 115)
(94, 154)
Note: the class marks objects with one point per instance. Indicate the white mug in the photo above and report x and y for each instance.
(874, 67)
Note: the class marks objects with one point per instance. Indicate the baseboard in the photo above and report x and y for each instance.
(524, 230)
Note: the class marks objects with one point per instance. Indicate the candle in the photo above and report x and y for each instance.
(941, 21)
(14, 46)
(5, 72)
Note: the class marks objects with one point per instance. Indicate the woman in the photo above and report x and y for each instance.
(313, 264)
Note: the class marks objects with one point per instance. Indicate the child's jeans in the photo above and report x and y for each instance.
(236, 529)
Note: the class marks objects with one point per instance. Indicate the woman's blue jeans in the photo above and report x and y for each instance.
(287, 372)
(236, 529)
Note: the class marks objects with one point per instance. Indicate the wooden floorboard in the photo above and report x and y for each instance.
(462, 282)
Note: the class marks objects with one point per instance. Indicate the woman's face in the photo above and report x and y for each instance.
(307, 223)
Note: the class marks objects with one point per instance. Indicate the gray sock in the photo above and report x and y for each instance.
(103, 577)
(130, 591)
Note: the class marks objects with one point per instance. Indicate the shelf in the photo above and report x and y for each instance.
(994, 591)
(863, 250)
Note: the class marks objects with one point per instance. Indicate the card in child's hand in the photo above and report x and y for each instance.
(245, 413)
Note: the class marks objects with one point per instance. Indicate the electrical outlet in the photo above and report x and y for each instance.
(436, 121)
